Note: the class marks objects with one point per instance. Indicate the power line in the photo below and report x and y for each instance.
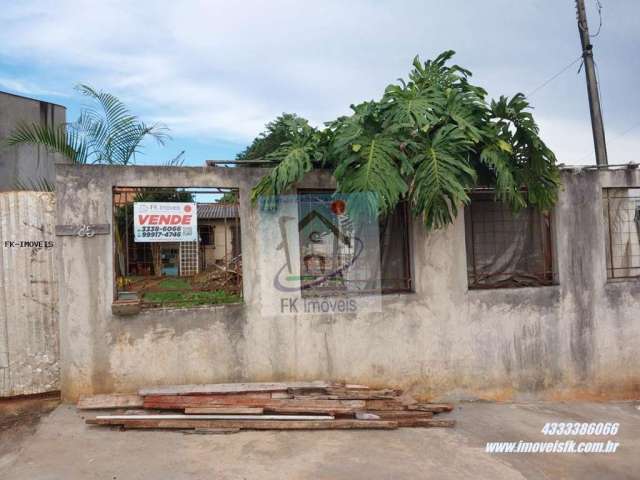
(551, 79)
(614, 140)
(628, 130)
(567, 67)
(599, 7)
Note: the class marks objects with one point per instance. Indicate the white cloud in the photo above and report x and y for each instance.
(222, 69)
(25, 87)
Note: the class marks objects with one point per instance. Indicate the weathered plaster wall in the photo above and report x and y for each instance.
(577, 339)
(28, 294)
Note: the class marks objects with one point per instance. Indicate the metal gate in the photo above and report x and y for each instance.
(29, 339)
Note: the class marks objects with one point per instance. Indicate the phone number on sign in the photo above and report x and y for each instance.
(580, 428)
(158, 232)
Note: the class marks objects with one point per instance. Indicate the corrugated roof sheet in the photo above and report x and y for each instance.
(217, 210)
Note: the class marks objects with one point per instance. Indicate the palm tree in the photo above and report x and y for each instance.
(104, 133)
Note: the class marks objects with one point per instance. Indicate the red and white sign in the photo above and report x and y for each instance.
(165, 222)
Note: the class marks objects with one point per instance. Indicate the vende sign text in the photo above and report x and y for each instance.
(165, 222)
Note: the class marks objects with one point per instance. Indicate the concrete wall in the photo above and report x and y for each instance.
(26, 162)
(573, 340)
(28, 294)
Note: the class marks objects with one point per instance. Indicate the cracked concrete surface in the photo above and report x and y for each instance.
(63, 447)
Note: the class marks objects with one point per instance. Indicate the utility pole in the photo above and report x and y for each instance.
(592, 86)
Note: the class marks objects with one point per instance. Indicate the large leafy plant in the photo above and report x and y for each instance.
(429, 140)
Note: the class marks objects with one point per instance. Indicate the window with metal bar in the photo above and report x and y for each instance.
(622, 234)
(325, 248)
(156, 266)
(506, 249)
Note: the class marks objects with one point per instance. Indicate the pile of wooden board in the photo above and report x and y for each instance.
(230, 407)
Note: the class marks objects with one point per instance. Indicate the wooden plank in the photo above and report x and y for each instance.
(229, 388)
(367, 416)
(353, 386)
(180, 402)
(280, 395)
(212, 431)
(251, 424)
(97, 402)
(315, 396)
(224, 410)
(294, 392)
(431, 407)
(311, 408)
(216, 417)
(221, 398)
(384, 405)
(184, 401)
(425, 422)
(397, 414)
(347, 394)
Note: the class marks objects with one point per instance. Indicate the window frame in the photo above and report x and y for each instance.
(609, 257)
(211, 232)
(408, 258)
(550, 241)
(121, 195)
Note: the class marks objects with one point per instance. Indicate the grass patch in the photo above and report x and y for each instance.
(173, 284)
(190, 299)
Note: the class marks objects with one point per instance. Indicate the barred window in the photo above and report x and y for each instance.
(506, 249)
(165, 249)
(325, 249)
(622, 232)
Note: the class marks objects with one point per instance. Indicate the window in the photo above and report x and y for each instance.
(326, 248)
(506, 249)
(207, 235)
(165, 246)
(394, 250)
(622, 235)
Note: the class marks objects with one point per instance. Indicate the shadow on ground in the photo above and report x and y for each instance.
(19, 417)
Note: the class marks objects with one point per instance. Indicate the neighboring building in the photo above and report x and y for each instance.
(219, 233)
(26, 163)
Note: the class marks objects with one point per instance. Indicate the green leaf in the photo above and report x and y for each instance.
(430, 139)
(443, 176)
(373, 170)
(66, 142)
(504, 146)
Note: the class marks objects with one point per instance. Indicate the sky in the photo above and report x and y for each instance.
(215, 72)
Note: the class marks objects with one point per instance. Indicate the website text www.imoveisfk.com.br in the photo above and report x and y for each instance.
(566, 446)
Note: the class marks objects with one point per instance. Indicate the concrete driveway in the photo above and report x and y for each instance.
(64, 448)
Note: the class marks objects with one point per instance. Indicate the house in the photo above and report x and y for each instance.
(218, 233)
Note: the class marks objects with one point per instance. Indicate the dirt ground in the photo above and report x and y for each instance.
(63, 447)
(19, 418)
